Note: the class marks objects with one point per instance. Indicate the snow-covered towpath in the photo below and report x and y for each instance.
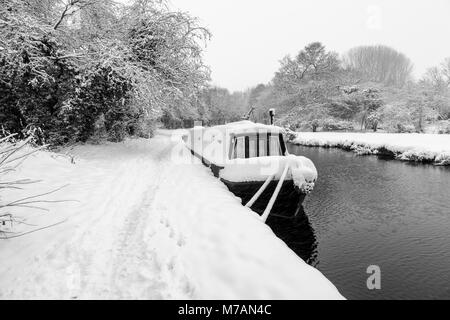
(146, 226)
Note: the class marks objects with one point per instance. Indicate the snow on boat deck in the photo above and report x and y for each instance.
(406, 146)
(146, 227)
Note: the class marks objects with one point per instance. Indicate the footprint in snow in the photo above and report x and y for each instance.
(171, 264)
(164, 221)
(181, 241)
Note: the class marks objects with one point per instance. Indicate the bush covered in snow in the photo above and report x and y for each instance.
(337, 125)
(396, 118)
(13, 153)
(110, 74)
(444, 128)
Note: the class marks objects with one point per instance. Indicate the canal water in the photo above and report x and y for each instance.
(368, 211)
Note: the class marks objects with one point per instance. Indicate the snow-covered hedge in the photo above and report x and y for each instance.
(431, 148)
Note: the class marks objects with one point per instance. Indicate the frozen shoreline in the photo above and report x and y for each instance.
(427, 148)
(148, 225)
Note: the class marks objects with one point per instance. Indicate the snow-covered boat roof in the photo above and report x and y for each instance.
(246, 126)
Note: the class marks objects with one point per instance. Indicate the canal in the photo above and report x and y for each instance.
(368, 211)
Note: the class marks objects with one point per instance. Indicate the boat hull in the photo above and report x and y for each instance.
(288, 203)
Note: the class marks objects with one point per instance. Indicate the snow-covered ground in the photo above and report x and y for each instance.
(147, 225)
(405, 146)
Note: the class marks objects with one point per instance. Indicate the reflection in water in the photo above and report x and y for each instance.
(297, 233)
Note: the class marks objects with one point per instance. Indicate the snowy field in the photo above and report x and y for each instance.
(433, 148)
(145, 226)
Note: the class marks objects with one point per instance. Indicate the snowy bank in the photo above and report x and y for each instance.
(146, 226)
(433, 148)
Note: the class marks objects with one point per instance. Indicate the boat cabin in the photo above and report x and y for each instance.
(237, 140)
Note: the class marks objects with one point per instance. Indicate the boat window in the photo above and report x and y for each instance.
(262, 150)
(257, 146)
(240, 147)
(252, 152)
(275, 149)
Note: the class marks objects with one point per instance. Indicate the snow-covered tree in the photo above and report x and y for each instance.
(311, 63)
(123, 65)
(380, 64)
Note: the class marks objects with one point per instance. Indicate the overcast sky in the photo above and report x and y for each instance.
(251, 36)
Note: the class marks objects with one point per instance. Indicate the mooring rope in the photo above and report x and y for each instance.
(259, 192)
(274, 195)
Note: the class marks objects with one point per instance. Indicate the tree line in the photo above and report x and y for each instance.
(89, 70)
(369, 87)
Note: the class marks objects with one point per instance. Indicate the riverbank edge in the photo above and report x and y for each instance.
(387, 152)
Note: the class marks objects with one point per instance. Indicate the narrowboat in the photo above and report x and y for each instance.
(252, 160)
